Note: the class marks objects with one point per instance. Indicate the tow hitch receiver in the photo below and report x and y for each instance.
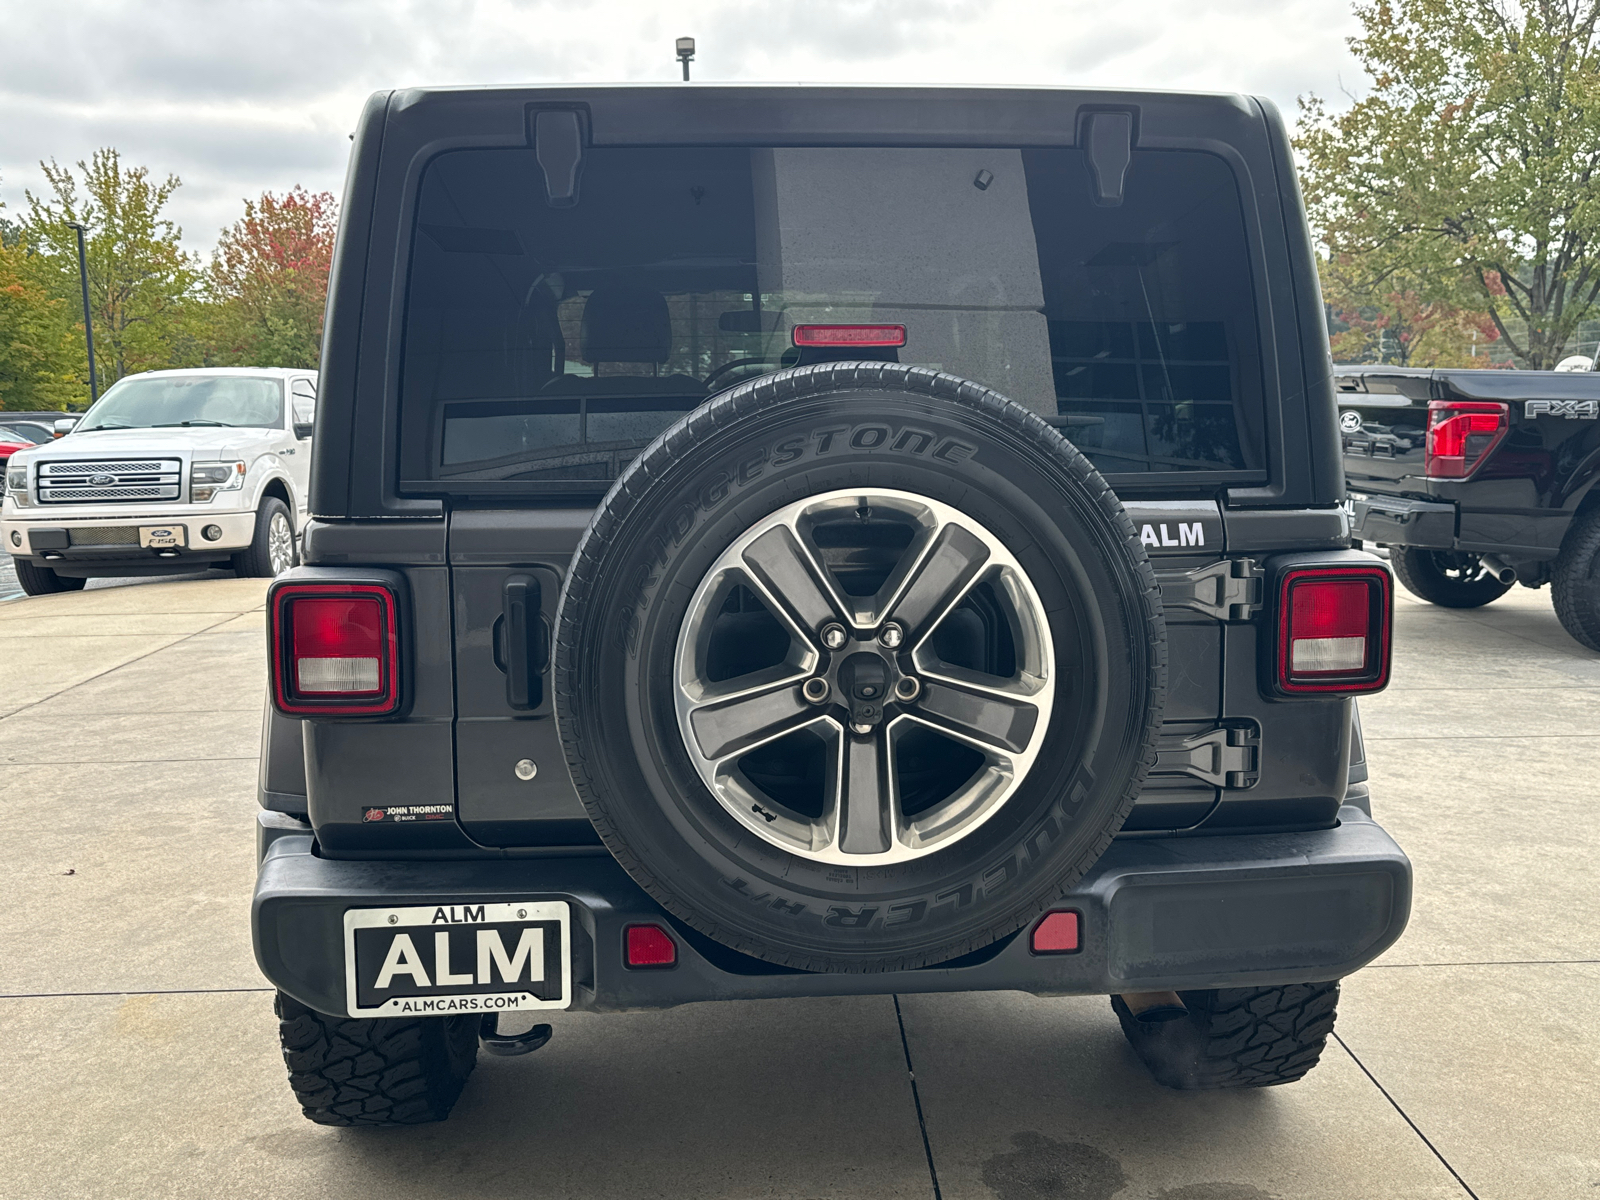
(509, 1045)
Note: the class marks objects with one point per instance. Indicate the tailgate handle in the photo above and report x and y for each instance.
(527, 641)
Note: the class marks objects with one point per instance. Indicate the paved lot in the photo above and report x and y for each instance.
(140, 1059)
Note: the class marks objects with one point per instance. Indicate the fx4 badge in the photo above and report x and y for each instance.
(1581, 410)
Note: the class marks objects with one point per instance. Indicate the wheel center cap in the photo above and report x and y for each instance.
(866, 679)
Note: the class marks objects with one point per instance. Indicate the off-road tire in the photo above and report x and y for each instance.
(380, 1071)
(1575, 583)
(42, 581)
(255, 562)
(1237, 1037)
(745, 454)
(1423, 574)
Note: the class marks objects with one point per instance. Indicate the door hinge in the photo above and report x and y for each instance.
(1228, 757)
(1229, 590)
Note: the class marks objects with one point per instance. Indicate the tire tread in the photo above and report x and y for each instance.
(382, 1071)
(1237, 1037)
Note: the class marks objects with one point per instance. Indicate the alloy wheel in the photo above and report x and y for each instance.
(864, 677)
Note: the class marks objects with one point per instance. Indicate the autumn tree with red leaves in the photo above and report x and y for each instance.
(1391, 317)
(1472, 163)
(268, 281)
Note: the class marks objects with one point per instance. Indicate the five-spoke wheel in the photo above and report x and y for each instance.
(892, 689)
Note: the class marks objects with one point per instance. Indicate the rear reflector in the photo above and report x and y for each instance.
(650, 946)
(1057, 933)
(845, 336)
(1333, 630)
(335, 649)
(1461, 433)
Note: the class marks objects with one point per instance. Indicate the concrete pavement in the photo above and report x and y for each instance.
(140, 1054)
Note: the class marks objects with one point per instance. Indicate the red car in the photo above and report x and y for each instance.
(13, 439)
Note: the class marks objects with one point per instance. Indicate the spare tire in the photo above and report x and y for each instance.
(859, 667)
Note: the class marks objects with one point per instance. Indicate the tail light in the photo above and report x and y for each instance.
(1461, 433)
(1334, 630)
(335, 649)
(844, 337)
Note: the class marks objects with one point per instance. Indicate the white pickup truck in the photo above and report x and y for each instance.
(170, 471)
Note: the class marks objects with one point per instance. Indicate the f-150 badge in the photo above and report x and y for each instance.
(1581, 410)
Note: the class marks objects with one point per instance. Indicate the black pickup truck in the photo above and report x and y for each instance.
(818, 541)
(1479, 480)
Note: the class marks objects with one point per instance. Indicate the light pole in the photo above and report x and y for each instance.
(686, 55)
(88, 323)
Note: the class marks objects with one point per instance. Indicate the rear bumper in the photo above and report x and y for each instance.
(1397, 521)
(1155, 913)
(1515, 534)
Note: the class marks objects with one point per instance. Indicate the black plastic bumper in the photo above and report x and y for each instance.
(1396, 521)
(1156, 913)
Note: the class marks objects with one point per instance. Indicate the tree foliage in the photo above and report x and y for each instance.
(141, 281)
(37, 364)
(1470, 166)
(1393, 320)
(269, 279)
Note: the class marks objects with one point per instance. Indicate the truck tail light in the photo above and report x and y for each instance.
(335, 649)
(1461, 433)
(844, 337)
(1334, 630)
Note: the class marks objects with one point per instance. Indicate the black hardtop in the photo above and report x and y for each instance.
(1451, 383)
(355, 472)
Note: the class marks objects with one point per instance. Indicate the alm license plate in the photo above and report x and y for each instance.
(437, 960)
(163, 535)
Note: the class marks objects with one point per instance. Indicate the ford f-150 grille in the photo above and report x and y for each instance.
(110, 481)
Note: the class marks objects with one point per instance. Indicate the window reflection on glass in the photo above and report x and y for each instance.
(550, 345)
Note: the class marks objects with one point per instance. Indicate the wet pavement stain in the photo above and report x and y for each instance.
(1042, 1168)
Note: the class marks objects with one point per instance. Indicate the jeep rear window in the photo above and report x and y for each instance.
(546, 345)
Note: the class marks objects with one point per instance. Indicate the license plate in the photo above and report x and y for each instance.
(439, 960)
(163, 535)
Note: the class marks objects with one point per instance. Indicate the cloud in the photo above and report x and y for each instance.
(254, 95)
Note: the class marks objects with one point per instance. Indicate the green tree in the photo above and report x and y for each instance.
(268, 281)
(142, 284)
(1470, 165)
(37, 365)
(1391, 319)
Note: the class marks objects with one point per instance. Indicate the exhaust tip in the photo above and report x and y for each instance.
(1155, 1008)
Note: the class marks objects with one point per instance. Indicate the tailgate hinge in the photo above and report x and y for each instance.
(1229, 590)
(1228, 757)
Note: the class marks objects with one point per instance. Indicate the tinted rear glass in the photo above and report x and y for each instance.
(548, 345)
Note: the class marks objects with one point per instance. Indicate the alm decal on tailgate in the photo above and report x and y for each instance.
(439, 960)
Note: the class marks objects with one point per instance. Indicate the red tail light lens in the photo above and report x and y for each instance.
(846, 336)
(335, 649)
(650, 946)
(1461, 434)
(1333, 630)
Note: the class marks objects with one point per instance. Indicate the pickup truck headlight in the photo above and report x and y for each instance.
(207, 479)
(17, 485)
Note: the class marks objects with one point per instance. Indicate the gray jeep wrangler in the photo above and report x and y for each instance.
(779, 541)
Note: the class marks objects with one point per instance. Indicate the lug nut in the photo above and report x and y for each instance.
(834, 636)
(815, 689)
(908, 688)
(892, 635)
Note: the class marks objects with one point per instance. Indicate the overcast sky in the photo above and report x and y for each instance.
(243, 96)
